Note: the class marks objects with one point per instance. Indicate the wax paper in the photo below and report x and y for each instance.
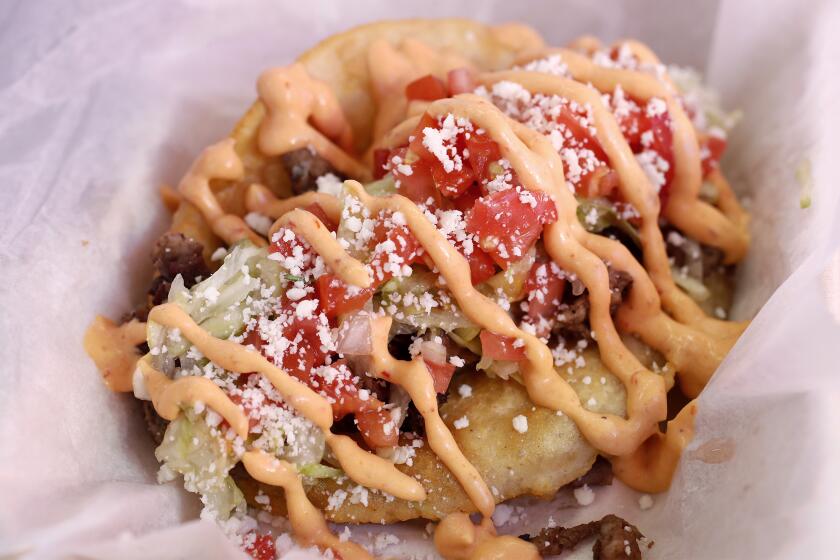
(103, 101)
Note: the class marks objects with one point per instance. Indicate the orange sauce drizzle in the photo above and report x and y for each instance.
(392, 68)
(457, 538)
(697, 219)
(218, 161)
(308, 524)
(539, 168)
(646, 319)
(320, 238)
(519, 38)
(652, 466)
(292, 99)
(114, 350)
(259, 199)
(169, 396)
(360, 465)
(415, 378)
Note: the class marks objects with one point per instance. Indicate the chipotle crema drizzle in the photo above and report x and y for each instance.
(300, 111)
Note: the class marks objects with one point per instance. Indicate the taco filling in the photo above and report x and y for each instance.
(437, 266)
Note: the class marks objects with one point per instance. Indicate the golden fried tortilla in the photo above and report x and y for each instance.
(538, 462)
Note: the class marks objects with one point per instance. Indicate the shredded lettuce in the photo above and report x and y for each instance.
(317, 470)
(503, 369)
(511, 281)
(467, 338)
(204, 458)
(411, 310)
(692, 286)
(710, 113)
(597, 214)
(221, 305)
(217, 302)
(382, 187)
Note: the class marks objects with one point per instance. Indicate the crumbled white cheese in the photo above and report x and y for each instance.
(584, 495)
(520, 423)
(259, 222)
(329, 184)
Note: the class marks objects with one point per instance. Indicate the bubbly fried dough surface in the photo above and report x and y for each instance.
(550, 454)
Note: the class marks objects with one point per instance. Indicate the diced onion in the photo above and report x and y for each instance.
(503, 369)
(354, 335)
(693, 287)
(433, 352)
(138, 384)
(399, 400)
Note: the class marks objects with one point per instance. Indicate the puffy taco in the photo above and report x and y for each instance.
(436, 266)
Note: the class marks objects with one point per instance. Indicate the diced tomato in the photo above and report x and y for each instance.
(467, 200)
(585, 139)
(416, 145)
(460, 80)
(632, 122)
(452, 183)
(253, 419)
(427, 88)
(483, 151)
(499, 347)
(418, 185)
(309, 354)
(254, 339)
(380, 158)
(262, 548)
(507, 224)
(635, 122)
(341, 390)
(663, 144)
(406, 247)
(441, 374)
(377, 428)
(287, 248)
(714, 147)
(482, 266)
(316, 210)
(335, 296)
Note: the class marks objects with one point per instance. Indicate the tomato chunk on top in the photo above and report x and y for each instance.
(509, 222)
(500, 347)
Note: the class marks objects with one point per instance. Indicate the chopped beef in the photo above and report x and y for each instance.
(141, 313)
(620, 282)
(600, 474)
(573, 319)
(304, 166)
(154, 423)
(615, 539)
(377, 387)
(700, 261)
(555, 540)
(175, 254)
(399, 345)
